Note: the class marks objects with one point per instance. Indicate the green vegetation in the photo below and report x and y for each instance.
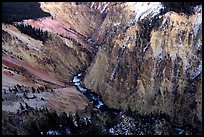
(35, 33)
(44, 121)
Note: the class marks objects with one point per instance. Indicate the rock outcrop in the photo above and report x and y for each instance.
(153, 65)
(31, 63)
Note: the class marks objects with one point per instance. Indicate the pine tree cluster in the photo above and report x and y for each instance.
(35, 33)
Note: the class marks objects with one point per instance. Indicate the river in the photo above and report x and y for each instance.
(94, 98)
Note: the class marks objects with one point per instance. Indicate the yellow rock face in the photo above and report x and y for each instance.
(159, 75)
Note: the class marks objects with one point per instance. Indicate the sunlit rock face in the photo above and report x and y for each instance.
(79, 16)
(150, 61)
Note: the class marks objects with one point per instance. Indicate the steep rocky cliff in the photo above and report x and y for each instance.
(41, 71)
(58, 56)
(153, 65)
(79, 16)
(144, 57)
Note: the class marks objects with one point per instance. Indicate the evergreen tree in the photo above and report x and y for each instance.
(35, 33)
(33, 128)
(27, 106)
(33, 90)
(18, 86)
(21, 106)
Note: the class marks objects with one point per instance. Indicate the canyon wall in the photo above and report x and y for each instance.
(148, 60)
(152, 66)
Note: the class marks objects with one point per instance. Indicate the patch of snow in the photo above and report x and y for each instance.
(92, 3)
(145, 9)
(185, 63)
(198, 9)
(104, 8)
(52, 132)
(118, 61)
(199, 46)
(116, 24)
(99, 6)
(111, 130)
(197, 24)
(164, 21)
(145, 48)
(197, 71)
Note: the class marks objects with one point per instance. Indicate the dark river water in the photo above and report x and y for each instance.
(97, 101)
(94, 98)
